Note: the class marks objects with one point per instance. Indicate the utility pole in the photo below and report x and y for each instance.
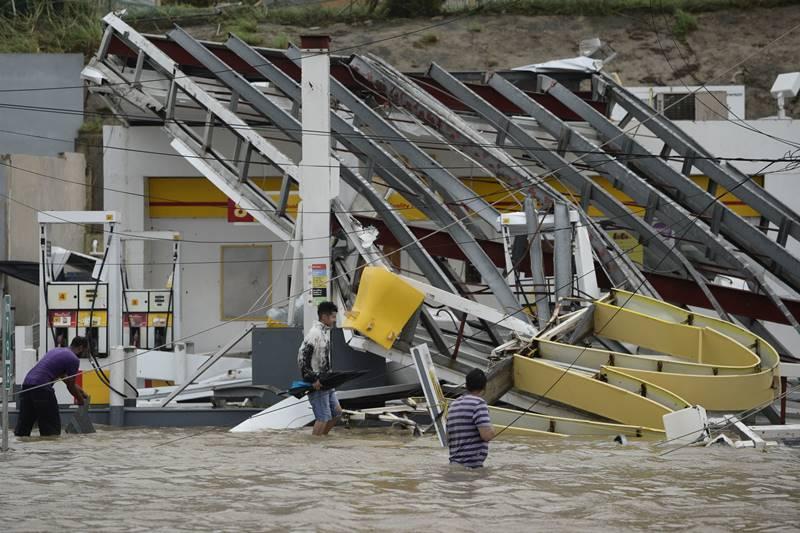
(319, 175)
(8, 379)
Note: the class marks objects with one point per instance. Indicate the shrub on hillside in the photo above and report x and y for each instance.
(413, 8)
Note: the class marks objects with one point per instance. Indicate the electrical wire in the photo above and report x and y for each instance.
(416, 241)
(430, 143)
(739, 122)
(445, 22)
(720, 428)
(616, 312)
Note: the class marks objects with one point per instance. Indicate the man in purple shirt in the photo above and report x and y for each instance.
(37, 399)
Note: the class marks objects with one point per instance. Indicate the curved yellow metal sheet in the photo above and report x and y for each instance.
(696, 359)
(716, 393)
(594, 358)
(555, 425)
(698, 345)
(523, 432)
(768, 355)
(583, 392)
(642, 387)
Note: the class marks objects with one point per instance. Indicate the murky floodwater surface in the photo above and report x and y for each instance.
(381, 479)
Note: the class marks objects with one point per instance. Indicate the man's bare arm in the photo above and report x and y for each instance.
(74, 389)
(487, 433)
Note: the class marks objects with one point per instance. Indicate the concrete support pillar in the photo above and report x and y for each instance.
(114, 277)
(319, 175)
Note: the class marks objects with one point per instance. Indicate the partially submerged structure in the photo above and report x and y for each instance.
(533, 234)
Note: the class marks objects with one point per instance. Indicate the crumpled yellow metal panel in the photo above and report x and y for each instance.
(384, 304)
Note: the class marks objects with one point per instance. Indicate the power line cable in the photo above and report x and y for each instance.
(739, 122)
(415, 241)
(429, 143)
(598, 331)
(439, 24)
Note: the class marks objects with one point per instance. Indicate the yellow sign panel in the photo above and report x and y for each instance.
(159, 320)
(198, 198)
(94, 387)
(99, 319)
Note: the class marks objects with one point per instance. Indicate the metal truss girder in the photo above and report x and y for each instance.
(350, 136)
(732, 226)
(178, 79)
(591, 193)
(622, 178)
(227, 182)
(205, 160)
(406, 94)
(637, 188)
(537, 264)
(292, 128)
(456, 194)
(451, 186)
(750, 193)
(447, 182)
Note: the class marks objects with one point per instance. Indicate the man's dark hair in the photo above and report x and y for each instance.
(79, 342)
(326, 308)
(476, 380)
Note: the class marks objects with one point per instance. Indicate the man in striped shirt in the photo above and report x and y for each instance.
(469, 429)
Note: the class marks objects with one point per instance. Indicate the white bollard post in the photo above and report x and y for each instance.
(181, 367)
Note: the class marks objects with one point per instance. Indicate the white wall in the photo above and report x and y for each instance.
(125, 180)
(201, 275)
(735, 97)
(743, 140)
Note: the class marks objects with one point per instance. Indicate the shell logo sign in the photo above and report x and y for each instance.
(237, 214)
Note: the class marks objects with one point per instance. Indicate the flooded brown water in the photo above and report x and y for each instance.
(376, 479)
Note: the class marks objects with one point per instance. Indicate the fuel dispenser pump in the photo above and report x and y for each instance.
(150, 316)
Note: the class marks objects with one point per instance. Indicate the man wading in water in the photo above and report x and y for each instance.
(314, 360)
(469, 429)
(37, 400)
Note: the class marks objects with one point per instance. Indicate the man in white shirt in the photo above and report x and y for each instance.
(314, 360)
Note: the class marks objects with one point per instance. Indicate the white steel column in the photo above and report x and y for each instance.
(319, 182)
(114, 279)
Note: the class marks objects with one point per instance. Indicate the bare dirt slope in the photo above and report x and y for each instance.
(728, 47)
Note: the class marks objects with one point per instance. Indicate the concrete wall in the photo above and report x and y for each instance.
(57, 128)
(37, 183)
